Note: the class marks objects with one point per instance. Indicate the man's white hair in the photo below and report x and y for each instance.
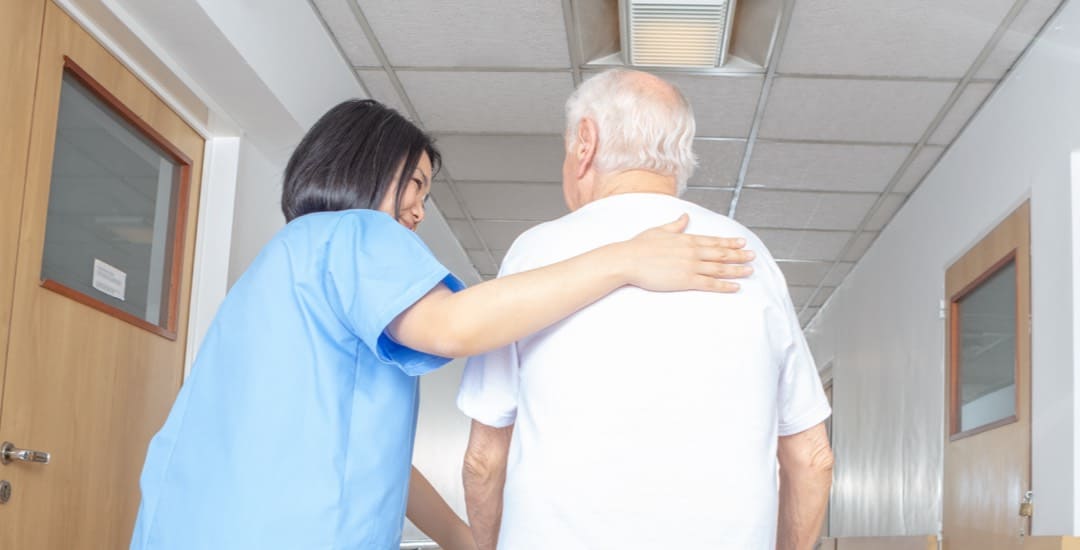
(639, 127)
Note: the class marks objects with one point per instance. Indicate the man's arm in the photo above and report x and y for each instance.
(484, 475)
(806, 464)
(430, 513)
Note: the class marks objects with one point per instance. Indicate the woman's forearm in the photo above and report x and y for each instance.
(432, 515)
(504, 310)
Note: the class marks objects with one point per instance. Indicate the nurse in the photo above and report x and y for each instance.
(295, 428)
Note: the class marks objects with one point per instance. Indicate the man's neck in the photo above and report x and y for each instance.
(634, 181)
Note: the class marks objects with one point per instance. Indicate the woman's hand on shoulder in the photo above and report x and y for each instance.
(665, 258)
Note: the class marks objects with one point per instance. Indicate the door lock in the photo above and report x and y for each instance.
(5, 491)
(9, 453)
(1027, 507)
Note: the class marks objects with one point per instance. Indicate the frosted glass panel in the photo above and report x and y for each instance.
(988, 351)
(111, 209)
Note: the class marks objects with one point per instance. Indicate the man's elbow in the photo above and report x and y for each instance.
(807, 454)
(481, 467)
(477, 467)
(486, 454)
(821, 463)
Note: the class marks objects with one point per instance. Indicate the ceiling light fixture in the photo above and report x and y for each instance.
(676, 33)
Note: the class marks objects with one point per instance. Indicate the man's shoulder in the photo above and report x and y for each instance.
(533, 246)
(615, 219)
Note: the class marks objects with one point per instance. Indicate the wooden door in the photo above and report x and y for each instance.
(20, 38)
(988, 436)
(85, 381)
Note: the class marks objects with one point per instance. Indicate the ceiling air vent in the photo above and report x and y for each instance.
(676, 33)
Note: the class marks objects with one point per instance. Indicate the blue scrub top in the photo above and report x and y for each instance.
(295, 428)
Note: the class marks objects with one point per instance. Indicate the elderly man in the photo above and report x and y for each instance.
(647, 420)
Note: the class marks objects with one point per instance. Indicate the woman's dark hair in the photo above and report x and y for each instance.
(348, 159)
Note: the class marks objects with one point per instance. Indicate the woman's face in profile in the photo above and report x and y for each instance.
(411, 210)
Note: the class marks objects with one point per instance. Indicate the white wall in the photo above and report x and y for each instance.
(257, 214)
(882, 331)
(1076, 329)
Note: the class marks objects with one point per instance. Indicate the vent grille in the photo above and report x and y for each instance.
(686, 34)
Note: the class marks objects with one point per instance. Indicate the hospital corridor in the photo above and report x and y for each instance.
(540, 274)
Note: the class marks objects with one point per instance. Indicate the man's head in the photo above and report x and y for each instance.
(622, 120)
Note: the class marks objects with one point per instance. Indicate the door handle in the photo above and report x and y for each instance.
(9, 453)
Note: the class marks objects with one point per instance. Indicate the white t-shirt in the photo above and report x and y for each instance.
(647, 420)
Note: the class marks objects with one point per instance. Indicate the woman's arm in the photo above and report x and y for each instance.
(498, 312)
(430, 513)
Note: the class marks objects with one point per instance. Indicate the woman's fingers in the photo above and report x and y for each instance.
(724, 271)
(725, 255)
(712, 284)
(705, 241)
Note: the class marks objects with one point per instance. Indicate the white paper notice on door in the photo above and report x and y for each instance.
(109, 280)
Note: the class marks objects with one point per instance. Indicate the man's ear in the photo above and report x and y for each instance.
(585, 149)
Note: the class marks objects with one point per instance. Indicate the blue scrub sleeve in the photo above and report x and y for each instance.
(377, 269)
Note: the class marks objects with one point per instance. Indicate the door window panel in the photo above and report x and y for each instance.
(987, 352)
(113, 206)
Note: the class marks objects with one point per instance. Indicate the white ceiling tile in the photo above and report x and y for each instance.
(465, 234)
(802, 210)
(723, 105)
(378, 85)
(852, 110)
(862, 244)
(348, 32)
(524, 102)
(799, 273)
(807, 315)
(837, 276)
(892, 203)
(792, 244)
(718, 162)
(823, 296)
(929, 38)
(474, 33)
(502, 158)
(444, 198)
(924, 160)
(1020, 33)
(514, 201)
(824, 166)
(969, 101)
(717, 200)
(499, 235)
(800, 295)
(482, 262)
